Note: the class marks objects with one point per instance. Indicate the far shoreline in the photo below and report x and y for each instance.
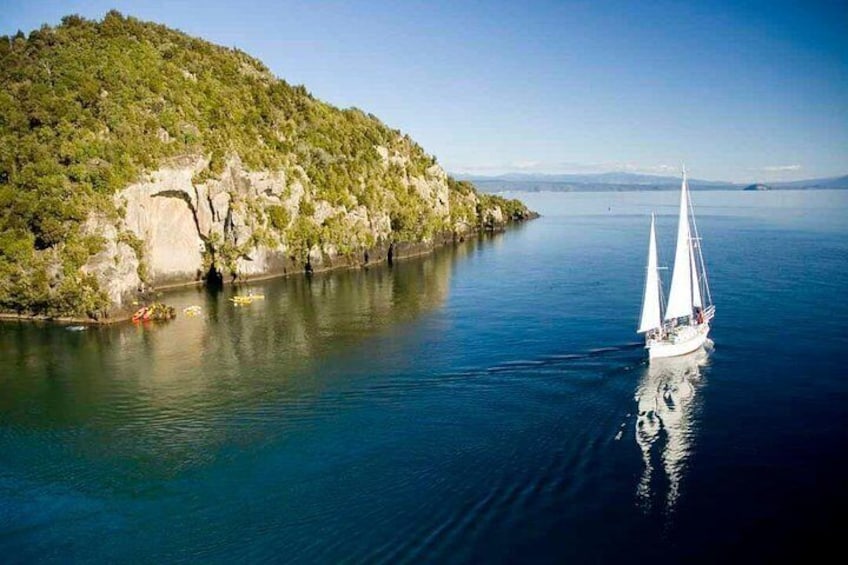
(664, 189)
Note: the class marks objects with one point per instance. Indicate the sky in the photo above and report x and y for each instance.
(742, 91)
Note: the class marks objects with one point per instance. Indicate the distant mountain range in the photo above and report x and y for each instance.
(528, 182)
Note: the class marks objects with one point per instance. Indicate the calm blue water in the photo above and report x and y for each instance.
(487, 403)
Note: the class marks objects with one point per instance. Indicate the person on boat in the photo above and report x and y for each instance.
(699, 315)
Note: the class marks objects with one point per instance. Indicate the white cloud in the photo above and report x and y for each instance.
(527, 165)
(647, 169)
(781, 168)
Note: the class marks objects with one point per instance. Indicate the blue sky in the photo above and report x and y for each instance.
(739, 91)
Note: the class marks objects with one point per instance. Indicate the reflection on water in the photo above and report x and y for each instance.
(171, 393)
(666, 425)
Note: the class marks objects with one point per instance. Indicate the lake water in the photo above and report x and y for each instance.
(488, 403)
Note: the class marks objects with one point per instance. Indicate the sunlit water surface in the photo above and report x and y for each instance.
(488, 403)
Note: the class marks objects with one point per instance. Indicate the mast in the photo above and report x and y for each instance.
(651, 316)
(680, 296)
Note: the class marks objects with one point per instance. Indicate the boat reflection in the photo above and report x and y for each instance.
(666, 425)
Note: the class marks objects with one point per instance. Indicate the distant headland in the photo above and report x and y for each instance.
(600, 182)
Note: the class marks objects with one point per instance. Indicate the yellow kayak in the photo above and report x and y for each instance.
(246, 299)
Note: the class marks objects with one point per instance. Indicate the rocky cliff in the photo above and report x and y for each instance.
(134, 157)
(183, 231)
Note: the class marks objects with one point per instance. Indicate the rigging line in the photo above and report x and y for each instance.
(703, 266)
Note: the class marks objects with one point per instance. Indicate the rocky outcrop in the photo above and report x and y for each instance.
(163, 213)
(116, 266)
(180, 226)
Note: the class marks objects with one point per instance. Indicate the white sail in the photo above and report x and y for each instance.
(651, 318)
(680, 295)
(696, 281)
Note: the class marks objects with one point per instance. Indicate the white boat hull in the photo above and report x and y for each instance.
(685, 340)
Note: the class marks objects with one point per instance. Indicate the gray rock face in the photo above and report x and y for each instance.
(116, 266)
(162, 213)
(188, 224)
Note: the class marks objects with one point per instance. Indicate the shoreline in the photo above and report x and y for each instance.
(416, 251)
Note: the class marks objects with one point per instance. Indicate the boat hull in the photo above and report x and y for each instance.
(684, 341)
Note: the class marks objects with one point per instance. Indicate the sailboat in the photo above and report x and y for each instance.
(682, 325)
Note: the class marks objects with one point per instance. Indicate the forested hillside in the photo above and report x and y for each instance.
(89, 108)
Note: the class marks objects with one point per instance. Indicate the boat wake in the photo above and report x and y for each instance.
(524, 465)
(564, 358)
